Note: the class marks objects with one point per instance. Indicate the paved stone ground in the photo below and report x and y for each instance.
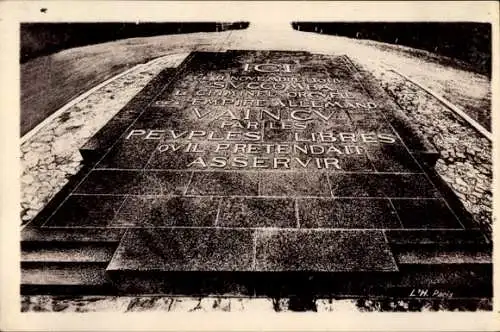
(51, 156)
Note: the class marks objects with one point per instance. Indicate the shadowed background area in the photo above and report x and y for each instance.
(39, 39)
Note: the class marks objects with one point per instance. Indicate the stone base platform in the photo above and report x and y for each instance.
(307, 181)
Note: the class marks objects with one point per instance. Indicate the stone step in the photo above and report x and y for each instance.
(32, 236)
(440, 247)
(67, 261)
(283, 262)
(210, 249)
(463, 280)
(436, 237)
(65, 278)
(447, 256)
(68, 252)
(64, 274)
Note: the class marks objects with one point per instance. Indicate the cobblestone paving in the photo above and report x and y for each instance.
(465, 161)
(51, 156)
(214, 304)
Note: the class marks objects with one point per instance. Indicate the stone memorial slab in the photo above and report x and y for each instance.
(185, 249)
(243, 167)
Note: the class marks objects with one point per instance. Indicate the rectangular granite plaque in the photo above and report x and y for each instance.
(258, 161)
